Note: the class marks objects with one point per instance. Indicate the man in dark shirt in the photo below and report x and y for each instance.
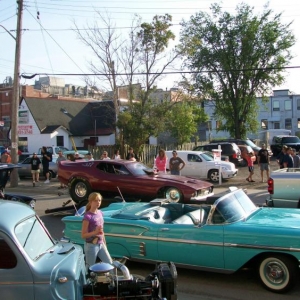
(280, 156)
(46, 158)
(288, 161)
(263, 161)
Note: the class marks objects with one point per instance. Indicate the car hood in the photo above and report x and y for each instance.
(181, 180)
(275, 218)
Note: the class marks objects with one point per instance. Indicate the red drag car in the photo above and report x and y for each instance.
(132, 179)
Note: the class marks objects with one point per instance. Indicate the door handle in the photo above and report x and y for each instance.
(164, 229)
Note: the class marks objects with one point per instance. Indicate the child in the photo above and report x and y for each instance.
(250, 159)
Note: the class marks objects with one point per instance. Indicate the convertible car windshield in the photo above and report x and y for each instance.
(233, 207)
(33, 238)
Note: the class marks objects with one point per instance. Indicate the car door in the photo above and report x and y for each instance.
(25, 168)
(194, 166)
(114, 176)
(192, 245)
(16, 280)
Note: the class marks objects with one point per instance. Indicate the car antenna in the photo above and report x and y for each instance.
(121, 194)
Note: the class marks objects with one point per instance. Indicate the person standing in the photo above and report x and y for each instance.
(161, 161)
(89, 156)
(5, 157)
(250, 160)
(60, 158)
(296, 158)
(93, 233)
(35, 163)
(46, 159)
(280, 156)
(263, 161)
(117, 154)
(288, 161)
(105, 156)
(77, 156)
(176, 164)
(130, 154)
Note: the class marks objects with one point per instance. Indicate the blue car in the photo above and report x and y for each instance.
(229, 234)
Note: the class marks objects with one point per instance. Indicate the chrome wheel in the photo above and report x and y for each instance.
(173, 194)
(80, 190)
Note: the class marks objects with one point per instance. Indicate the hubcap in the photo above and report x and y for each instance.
(275, 272)
(80, 189)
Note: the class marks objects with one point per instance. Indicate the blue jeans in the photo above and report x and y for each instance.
(92, 251)
(175, 172)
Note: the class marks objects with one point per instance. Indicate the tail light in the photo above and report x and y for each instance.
(271, 186)
(234, 155)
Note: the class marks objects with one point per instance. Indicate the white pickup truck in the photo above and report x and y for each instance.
(283, 188)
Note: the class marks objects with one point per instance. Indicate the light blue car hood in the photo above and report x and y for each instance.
(275, 218)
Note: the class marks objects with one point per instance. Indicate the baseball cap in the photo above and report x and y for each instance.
(76, 153)
(34, 153)
(284, 146)
(174, 151)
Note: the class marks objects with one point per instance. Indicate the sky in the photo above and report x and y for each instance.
(50, 45)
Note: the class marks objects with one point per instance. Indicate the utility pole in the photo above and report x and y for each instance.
(16, 99)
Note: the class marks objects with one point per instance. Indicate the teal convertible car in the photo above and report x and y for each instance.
(225, 236)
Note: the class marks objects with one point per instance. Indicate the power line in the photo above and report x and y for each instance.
(157, 73)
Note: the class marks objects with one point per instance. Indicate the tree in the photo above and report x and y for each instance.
(183, 120)
(148, 118)
(235, 58)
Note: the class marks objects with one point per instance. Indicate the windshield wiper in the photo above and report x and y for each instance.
(47, 251)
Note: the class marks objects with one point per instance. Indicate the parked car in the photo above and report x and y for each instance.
(283, 188)
(200, 148)
(132, 179)
(246, 142)
(288, 140)
(200, 165)
(34, 266)
(25, 168)
(5, 170)
(53, 150)
(225, 236)
(229, 149)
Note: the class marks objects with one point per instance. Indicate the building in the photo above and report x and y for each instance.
(282, 111)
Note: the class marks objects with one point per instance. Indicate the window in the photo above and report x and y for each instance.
(194, 158)
(8, 259)
(287, 105)
(218, 124)
(60, 140)
(264, 124)
(298, 104)
(276, 125)
(23, 144)
(298, 123)
(209, 126)
(276, 106)
(288, 123)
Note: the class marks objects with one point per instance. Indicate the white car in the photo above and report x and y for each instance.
(201, 165)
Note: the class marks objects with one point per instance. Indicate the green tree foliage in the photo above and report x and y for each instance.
(147, 118)
(235, 58)
(183, 119)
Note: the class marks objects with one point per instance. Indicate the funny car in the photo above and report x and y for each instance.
(132, 179)
(229, 234)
